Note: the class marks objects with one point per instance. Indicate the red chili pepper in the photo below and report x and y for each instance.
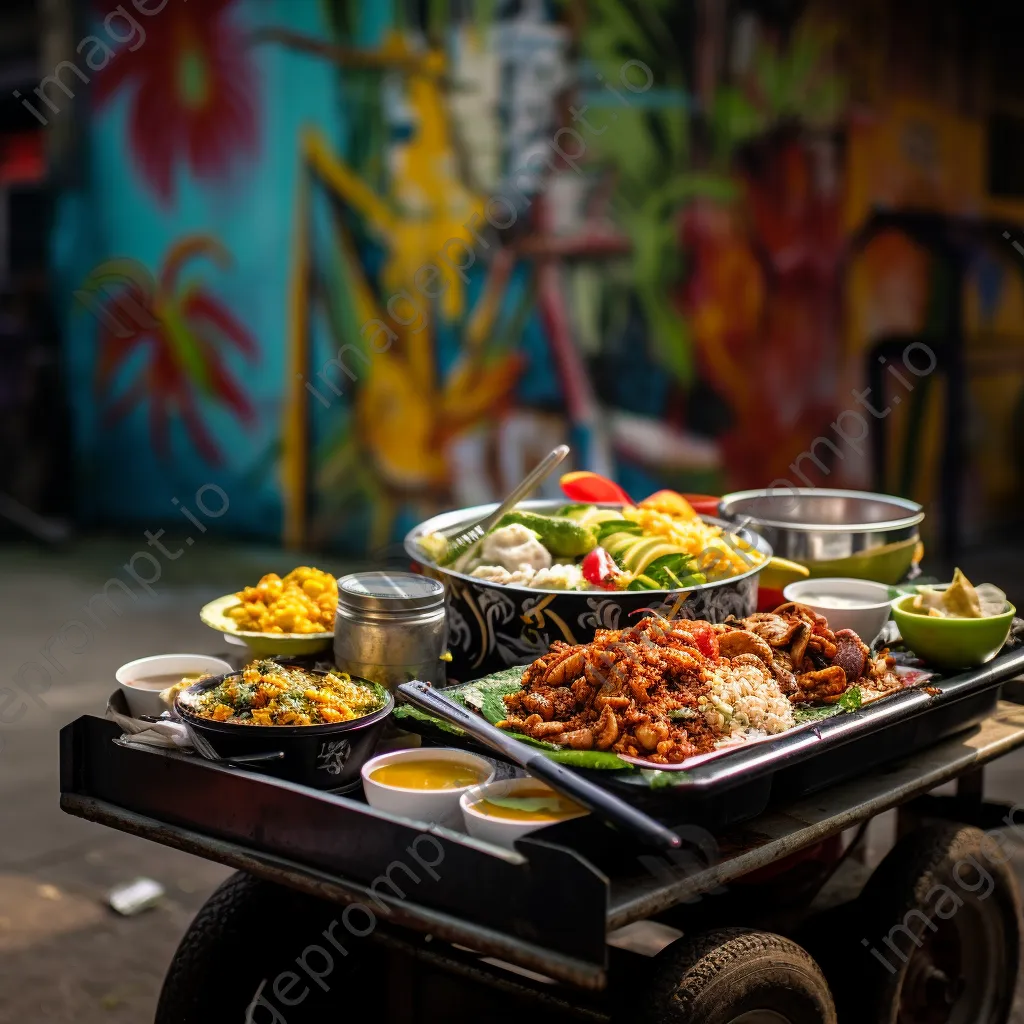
(707, 639)
(583, 485)
(600, 569)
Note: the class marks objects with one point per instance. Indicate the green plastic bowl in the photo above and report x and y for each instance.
(950, 644)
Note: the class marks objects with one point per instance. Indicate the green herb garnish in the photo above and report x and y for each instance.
(576, 510)
(530, 804)
(677, 713)
(851, 700)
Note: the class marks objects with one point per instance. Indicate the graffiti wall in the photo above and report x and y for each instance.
(355, 262)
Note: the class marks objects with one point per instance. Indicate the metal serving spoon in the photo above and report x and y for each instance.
(462, 538)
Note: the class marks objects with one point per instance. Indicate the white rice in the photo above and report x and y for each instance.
(745, 702)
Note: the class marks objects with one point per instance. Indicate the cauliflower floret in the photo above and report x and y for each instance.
(434, 546)
(558, 577)
(499, 574)
(512, 547)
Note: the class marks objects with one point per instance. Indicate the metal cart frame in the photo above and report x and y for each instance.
(338, 850)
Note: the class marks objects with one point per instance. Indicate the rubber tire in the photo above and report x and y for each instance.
(921, 860)
(247, 931)
(714, 977)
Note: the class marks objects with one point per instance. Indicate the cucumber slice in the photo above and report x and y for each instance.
(617, 544)
(645, 550)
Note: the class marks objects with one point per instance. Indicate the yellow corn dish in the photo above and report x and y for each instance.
(305, 601)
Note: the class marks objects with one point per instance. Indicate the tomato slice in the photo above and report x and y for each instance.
(601, 569)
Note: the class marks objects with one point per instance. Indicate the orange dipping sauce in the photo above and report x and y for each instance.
(427, 773)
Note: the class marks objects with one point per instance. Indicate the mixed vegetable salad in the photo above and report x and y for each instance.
(660, 544)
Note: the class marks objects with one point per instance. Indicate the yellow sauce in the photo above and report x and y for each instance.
(557, 807)
(427, 774)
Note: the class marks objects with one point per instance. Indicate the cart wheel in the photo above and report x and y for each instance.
(939, 938)
(247, 936)
(736, 976)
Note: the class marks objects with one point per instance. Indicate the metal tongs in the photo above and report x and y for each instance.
(605, 805)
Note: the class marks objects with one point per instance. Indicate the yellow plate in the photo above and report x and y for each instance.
(215, 615)
(780, 572)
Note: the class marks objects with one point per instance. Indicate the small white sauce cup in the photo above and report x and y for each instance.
(147, 702)
(866, 621)
(436, 806)
(504, 831)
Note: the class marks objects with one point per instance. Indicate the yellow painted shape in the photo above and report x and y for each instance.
(427, 188)
(294, 432)
(346, 183)
(396, 425)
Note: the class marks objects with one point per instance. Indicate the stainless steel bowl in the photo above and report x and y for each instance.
(832, 532)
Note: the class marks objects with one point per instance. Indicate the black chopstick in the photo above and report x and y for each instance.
(605, 805)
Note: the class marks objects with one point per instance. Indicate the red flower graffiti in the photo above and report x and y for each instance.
(195, 93)
(183, 332)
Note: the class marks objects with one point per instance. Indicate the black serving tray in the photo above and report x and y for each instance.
(549, 905)
(740, 783)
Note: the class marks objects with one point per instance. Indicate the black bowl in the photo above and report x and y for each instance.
(322, 756)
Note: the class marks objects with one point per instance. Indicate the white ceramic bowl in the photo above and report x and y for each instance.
(502, 831)
(866, 620)
(437, 806)
(147, 702)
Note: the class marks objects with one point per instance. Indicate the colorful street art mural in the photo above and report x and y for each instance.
(356, 263)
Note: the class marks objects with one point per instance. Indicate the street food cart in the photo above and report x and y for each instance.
(342, 902)
(448, 928)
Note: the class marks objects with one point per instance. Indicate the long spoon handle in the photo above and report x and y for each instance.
(534, 478)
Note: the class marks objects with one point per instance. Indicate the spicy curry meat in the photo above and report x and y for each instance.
(666, 690)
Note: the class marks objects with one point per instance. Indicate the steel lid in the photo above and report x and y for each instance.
(382, 591)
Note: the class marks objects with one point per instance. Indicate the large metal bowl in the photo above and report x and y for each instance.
(832, 532)
(492, 625)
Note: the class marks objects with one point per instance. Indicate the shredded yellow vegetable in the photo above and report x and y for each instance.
(717, 555)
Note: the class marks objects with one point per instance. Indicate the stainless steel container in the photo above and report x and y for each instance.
(832, 532)
(391, 627)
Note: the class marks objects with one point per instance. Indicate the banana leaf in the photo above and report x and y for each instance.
(485, 696)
